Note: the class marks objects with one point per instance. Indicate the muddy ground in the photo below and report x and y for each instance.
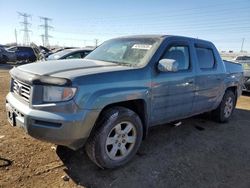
(199, 153)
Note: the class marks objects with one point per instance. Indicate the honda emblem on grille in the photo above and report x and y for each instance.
(19, 89)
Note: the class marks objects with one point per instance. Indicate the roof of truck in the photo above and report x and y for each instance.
(163, 37)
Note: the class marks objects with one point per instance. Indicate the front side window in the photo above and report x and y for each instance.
(127, 51)
(180, 54)
(205, 58)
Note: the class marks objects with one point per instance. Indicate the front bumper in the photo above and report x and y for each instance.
(61, 128)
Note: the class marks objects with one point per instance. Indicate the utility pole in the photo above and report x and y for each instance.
(16, 36)
(242, 44)
(26, 25)
(96, 42)
(47, 27)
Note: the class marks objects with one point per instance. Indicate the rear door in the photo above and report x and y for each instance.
(173, 92)
(209, 79)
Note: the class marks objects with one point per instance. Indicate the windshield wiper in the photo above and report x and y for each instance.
(124, 64)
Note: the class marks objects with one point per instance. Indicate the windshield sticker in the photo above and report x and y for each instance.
(142, 46)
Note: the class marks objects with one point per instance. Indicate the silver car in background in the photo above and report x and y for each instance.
(245, 61)
(75, 53)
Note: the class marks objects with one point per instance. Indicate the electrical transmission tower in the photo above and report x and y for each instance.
(25, 23)
(47, 27)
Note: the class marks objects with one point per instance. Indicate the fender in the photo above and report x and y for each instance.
(101, 98)
(235, 80)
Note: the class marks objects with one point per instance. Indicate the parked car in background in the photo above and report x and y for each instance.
(6, 55)
(109, 99)
(25, 53)
(74, 53)
(245, 61)
(242, 59)
(45, 52)
(246, 86)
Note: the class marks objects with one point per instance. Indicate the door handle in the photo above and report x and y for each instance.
(188, 83)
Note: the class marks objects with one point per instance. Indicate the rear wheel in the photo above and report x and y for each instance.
(225, 110)
(117, 138)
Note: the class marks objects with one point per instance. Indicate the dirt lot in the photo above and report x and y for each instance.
(199, 153)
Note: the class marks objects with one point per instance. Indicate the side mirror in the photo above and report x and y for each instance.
(168, 65)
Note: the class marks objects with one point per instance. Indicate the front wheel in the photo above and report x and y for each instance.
(225, 110)
(117, 138)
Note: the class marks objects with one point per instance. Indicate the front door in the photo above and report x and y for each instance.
(173, 92)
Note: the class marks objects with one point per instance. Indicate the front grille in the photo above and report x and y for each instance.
(22, 89)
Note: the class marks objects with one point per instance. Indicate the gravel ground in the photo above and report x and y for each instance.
(199, 153)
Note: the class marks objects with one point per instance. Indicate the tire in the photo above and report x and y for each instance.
(224, 111)
(105, 146)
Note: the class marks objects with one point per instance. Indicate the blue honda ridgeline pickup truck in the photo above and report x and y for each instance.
(108, 100)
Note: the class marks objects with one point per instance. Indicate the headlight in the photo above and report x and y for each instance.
(58, 94)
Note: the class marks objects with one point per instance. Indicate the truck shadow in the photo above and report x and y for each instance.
(173, 156)
(246, 94)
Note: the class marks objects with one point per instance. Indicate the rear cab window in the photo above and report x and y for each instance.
(205, 57)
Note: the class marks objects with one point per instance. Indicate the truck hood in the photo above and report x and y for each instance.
(70, 68)
(62, 72)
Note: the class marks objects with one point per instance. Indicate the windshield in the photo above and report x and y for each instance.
(58, 55)
(127, 51)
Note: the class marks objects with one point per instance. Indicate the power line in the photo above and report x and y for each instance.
(47, 27)
(169, 14)
(26, 25)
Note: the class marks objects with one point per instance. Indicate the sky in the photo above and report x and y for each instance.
(79, 23)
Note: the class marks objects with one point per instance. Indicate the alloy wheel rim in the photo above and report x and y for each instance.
(121, 140)
(228, 107)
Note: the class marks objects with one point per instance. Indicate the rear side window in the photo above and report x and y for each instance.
(205, 58)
